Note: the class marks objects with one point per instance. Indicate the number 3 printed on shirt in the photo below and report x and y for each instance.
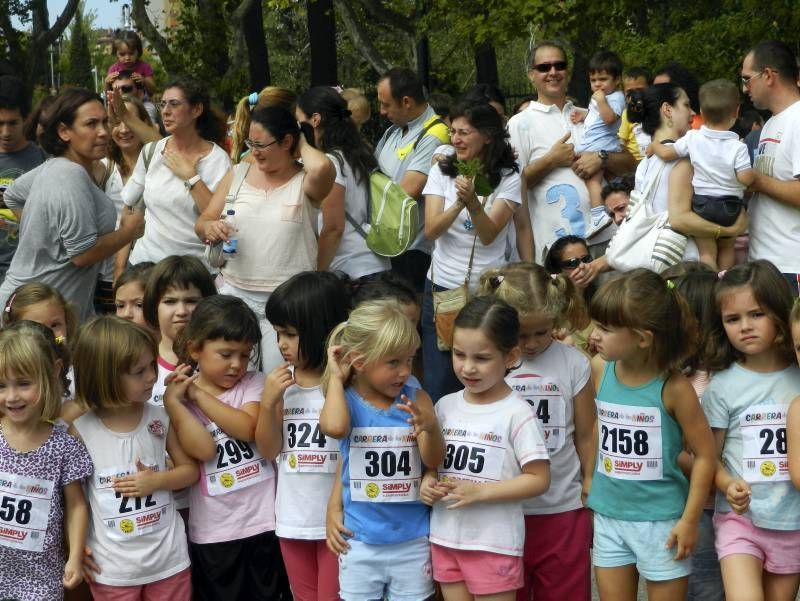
(387, 463)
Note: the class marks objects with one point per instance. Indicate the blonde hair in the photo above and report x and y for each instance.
(33, 294)
(357, 104)
(107, 347)
(534, 292)
(374, 330)
(269, 96)
(24, 351)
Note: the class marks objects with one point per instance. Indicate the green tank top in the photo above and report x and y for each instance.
(637, 476)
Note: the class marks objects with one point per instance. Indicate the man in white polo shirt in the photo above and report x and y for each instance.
(769, 76)
(544, 138)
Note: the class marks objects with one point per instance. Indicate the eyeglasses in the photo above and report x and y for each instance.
(259, 146)
(546, 67)
(747, 79)
(172, 103)
(575, 261)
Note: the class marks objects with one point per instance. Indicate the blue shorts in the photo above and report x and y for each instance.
(399, 572)
(620, 543)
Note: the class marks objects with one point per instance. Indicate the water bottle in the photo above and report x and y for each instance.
(229, 247)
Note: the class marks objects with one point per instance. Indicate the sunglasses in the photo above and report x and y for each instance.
(575, 261)
(125, 89)
(546, 67)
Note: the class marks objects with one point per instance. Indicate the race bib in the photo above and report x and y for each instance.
(630, 442)
(764, 443)
(544, 396)
(385, 466)
(128, 517)
(472, 453)
(24, 511)
(237, 465)
(305, 448)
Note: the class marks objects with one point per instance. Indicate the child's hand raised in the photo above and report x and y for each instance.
(278, 380)
(338, 364)
(460, 493)
(738, 495)
(421, 419)
(429, 490)
(599, 96)
(179, 384)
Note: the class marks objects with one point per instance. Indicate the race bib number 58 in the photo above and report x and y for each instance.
(385, 466)
(764, 443)
(629, 442)
(24, 511)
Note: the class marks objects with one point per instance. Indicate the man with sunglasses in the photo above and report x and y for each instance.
(769, 76)
(544, 137)
(125, 84)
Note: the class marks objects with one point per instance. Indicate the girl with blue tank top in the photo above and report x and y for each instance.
(388, 434)
(646, 513)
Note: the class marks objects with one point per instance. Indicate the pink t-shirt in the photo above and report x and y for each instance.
(142, 68)
(235, 496)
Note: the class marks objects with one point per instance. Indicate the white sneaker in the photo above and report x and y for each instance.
(600, 221)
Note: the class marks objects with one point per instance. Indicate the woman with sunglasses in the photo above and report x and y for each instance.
(185, 169)
(275, 216)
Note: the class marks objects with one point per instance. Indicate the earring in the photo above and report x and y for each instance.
(669, 123)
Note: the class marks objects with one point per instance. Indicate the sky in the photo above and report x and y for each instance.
(108, 14)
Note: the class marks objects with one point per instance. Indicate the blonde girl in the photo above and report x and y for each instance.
(387, 432)
(43, 304)
(555, 379)
(136, 536)
(269, 96)
(757, 519)
(41, 468)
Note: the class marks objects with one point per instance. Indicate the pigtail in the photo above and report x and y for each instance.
(241, 126)
(565, 295)
(685, 328)
(490, 281)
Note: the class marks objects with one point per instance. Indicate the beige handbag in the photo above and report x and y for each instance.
(447, 304)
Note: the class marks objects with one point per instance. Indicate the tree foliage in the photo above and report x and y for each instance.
(79, 58)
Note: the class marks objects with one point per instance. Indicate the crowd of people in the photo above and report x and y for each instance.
(212, 387)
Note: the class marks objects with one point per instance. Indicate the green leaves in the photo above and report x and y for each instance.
(473, 169)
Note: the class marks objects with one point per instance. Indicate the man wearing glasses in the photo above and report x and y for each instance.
(769, 77)
(544, 138)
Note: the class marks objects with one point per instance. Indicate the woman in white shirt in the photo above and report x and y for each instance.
(185, 170)
(460, 215)
(342, 242)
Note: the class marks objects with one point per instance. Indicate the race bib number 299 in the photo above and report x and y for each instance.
(629, 442)
(237, 464)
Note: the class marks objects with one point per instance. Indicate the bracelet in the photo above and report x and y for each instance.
(717, 233)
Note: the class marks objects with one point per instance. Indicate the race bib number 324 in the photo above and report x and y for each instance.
(629, 442)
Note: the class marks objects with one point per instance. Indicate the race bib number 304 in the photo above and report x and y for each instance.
(236, 465)
(472, 453)
(764, 443)
(24, 511)
(305, 448)
(128, 517)
(544, 396)
(629, 442)
(385, 466)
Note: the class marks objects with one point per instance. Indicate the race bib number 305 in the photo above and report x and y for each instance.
(544, 396)
(385, 466)
(629, 442)
(764, 443)
(472, 453)
(24, 511)
(236, 465)
(305, 448)
(128, 517)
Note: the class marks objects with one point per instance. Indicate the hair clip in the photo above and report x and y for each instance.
(252, 100)
(553, 276)
(670, 284)
(10, 302)
(496, 280)
(722, 273)
(60, 340)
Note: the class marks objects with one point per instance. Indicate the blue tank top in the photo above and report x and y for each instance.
(637, 476)
(381, 474)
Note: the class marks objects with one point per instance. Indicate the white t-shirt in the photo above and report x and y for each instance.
(559, 203)
(549, 383)
(485, 443)
(451, 250)
(716, 156)
(775, 226)
(113, 190)
(306, 465)
(171, 213)
(353, 256)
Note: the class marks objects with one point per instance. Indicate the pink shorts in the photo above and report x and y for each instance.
(483, 572)
(177, 587)
(779, 550)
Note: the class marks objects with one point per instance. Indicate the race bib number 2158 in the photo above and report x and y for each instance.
(629, 442)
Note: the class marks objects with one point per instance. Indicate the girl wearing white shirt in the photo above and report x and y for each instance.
(458, 217)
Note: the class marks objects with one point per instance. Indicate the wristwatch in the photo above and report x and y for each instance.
(189, 183)
(603, 154)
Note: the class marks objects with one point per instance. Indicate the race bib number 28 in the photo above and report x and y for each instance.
(24, 511)
(385, 466)
(764, 443)
(629, 442)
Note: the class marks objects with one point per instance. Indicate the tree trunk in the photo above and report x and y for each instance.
(257, 53)
(486, 64)
(360, 37)
(322, 34)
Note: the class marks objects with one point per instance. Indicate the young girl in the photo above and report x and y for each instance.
(646, 513)
(387, 432)
(129, 293)
(136, 536)
(43, 304)
(232, 538)
(175, 286)
(757, 520)
(554, 379)
(303, 310)
(41, 468)
(495, 457)
(128, 50)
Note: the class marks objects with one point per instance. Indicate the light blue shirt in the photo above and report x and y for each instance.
(599, 135)
(773, 505)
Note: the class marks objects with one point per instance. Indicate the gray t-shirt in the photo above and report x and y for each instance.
(64, 215)
(13, 165)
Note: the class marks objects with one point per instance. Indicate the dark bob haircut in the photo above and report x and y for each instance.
(174, 272)
(63, 111)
